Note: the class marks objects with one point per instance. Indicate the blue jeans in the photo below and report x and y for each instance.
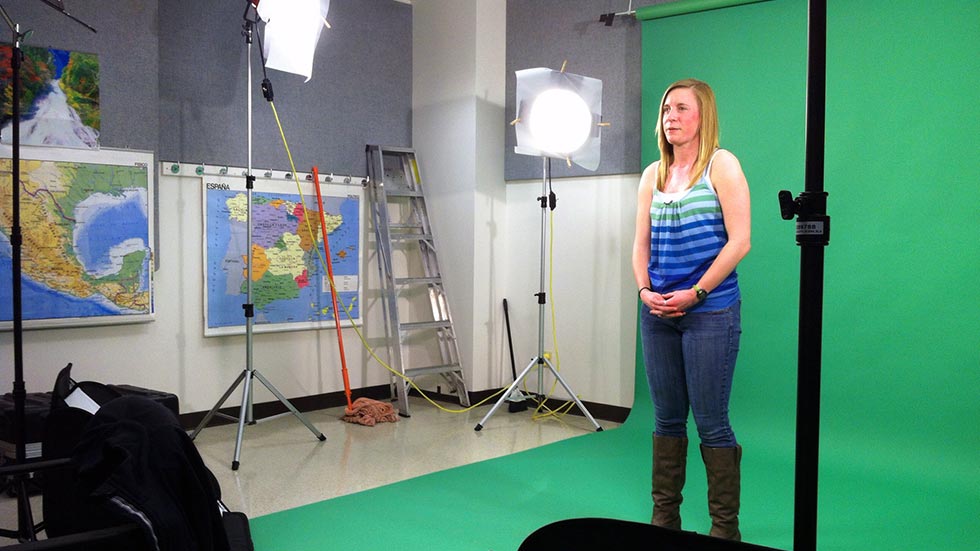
(690, 362)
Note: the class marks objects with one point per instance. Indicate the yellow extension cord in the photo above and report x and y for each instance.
(557, 413)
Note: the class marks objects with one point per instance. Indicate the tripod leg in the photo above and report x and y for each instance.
(292, 408)
(246, 401)
(25, 520)
(510, 389)
(568, 389)
(207, 418)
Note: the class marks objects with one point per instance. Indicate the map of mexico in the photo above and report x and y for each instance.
(86, 256)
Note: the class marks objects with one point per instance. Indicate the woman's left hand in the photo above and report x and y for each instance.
(677, 303)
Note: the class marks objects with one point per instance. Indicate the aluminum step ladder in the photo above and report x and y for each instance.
(409, 267)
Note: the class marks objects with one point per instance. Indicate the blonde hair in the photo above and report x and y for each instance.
(708, 131)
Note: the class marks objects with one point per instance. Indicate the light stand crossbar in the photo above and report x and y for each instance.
(245, 411)
(540, 360)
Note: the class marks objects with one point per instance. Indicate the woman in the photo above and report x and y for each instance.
(692, 229)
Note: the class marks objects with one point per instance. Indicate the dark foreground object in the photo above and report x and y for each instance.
(602, 534)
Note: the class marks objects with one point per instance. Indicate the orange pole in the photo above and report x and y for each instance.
(333, 289)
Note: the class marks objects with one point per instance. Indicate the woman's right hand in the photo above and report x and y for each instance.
(660, 305)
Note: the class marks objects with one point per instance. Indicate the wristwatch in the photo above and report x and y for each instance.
(702, 294)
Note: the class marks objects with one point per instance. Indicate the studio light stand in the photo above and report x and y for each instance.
(558, 115)
(245, 411)
(813, 236)
(547, 201)
(26, 529)
(21, 472)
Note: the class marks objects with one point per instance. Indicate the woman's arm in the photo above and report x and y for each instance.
(641, 241)
(733, 193)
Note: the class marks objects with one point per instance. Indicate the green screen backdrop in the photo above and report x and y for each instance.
(900, 401)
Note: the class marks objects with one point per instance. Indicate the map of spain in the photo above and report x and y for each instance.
(86, 250)
(289, 283)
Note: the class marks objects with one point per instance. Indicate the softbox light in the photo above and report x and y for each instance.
(292, 29)
(559, 115)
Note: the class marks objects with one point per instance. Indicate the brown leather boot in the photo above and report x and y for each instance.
(669, 468)
(723, 466)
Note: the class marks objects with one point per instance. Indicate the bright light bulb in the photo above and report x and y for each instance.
(560, 120)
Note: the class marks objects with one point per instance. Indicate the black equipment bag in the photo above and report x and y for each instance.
(132, 463)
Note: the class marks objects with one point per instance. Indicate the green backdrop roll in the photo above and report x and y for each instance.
(901, 352)
(899, 467)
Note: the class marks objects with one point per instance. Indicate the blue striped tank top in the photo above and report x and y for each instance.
(687, 232)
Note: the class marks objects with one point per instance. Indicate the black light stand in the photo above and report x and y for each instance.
(26, 529)
(60, 6)
(245, 411)
(812, 235)
(20, 473)
(547, 200)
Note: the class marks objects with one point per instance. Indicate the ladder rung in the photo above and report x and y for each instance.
(418, 280)
(451, 368)
(401, 197)
(411, 236)
(418, 325)
(394, 192)
(381, 149)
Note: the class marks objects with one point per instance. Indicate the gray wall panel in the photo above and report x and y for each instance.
(173, 80)
(544, 33)
(360, 91)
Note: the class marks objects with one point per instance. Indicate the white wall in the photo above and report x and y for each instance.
(588, 278)
(488, 234)
(458, 84)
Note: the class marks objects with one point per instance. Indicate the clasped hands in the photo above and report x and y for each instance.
(673, 304)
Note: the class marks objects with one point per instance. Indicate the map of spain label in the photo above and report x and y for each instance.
(290, 284)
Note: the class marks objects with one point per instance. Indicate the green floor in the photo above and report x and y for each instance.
(866, 501)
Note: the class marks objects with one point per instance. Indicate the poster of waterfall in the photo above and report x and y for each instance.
(59, 101)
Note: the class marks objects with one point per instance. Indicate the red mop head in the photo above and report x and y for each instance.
(365, 411)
